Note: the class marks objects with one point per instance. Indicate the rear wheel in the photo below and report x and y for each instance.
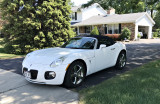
(121, 61)
(75, 74)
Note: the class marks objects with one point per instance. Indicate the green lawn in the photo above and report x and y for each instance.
(4, 55)
(138, 86)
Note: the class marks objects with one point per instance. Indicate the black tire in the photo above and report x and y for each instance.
(75, 75)
(121, 61)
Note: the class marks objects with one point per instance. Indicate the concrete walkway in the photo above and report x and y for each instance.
(14, 89)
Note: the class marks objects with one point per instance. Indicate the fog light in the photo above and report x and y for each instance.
(50, 75)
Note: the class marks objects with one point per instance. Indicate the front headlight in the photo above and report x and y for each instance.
(57, 62)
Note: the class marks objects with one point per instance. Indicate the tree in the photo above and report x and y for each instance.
(95, 31)
(126, 34)
(35, 24)
(152, 5)
(1, 21)
(121, 6)
(72, 4)
(130, 6)
(157, 20)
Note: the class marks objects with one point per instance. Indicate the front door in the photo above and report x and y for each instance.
(104, 58)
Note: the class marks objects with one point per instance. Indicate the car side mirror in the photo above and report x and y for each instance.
(102, 46)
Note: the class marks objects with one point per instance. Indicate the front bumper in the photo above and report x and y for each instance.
(40, 77)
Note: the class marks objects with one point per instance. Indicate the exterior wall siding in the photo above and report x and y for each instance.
(92, 11)
(130, 26)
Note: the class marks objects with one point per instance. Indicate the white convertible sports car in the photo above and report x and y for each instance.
(73, 61)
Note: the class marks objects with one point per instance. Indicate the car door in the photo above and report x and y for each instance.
(105, 56)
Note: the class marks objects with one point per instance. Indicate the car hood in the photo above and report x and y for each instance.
(47, 56)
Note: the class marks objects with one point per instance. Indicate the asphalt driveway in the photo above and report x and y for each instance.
(137, 54)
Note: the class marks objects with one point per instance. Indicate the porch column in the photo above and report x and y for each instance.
(77, 30)
(136, 31)
(149, 32)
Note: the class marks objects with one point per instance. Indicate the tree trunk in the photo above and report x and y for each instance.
(152, 13)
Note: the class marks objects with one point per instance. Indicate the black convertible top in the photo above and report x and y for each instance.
(101, 39)
(98, 37)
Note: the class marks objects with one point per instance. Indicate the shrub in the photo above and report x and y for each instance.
(95, 31)
(126, 34)
(139, 35)
(155, 34)
(158, 31)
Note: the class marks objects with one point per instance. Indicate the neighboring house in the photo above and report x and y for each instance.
(109, 23)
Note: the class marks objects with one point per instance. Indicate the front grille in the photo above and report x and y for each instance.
(25, 69)
(34, 74)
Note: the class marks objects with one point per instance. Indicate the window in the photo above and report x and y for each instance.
(116, 29)
(87, 29)
(109, 29)
(107, 41)
(113, 29)
(73, 16)
(76, 30)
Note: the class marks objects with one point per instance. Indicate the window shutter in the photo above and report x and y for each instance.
(105, 29)
(85, 29)
(75, 15)
(76, 30)
(119, 28)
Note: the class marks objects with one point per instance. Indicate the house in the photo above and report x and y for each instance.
(109, 23)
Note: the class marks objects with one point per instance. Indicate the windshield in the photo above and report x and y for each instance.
(80, 43)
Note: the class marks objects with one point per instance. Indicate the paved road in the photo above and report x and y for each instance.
(137, 55)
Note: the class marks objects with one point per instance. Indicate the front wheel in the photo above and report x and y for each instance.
(121, 61)
(75, 75)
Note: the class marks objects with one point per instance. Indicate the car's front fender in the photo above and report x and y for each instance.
(87, 57)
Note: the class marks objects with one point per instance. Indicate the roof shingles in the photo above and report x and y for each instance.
(111, 19)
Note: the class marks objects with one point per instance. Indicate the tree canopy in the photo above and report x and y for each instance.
(35, 24)
(128, 6)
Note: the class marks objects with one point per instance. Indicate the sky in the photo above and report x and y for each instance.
(79, 2)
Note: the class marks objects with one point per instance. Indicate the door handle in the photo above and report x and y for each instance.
(113, 48)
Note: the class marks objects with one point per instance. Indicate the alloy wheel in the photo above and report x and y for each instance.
(77, 74)
(122, 60)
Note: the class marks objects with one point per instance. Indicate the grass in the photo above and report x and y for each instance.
(138, 86)
(4, 55)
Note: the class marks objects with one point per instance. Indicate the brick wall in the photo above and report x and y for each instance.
(101, 29)
(130, 26)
